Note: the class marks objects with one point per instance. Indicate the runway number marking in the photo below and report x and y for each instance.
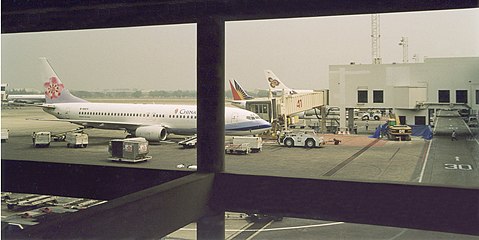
(453, 166)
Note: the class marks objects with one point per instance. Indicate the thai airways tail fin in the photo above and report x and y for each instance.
(275, 84)
(55, 91)
(238, 92)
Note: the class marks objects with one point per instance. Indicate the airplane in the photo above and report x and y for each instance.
(238, 92)
(25, 99)
(240, 96)
(154, 122)
(276, 86)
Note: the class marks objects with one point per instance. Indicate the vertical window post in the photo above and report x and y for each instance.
(211, 114)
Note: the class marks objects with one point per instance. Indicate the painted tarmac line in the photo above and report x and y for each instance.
(275, 229)
(425, 161)
(350, 159)
(259, 230)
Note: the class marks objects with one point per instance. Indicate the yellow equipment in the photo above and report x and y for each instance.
(396, 131)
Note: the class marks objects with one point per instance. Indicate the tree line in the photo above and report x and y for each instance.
(138, 93)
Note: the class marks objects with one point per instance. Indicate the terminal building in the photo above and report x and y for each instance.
(413, 91)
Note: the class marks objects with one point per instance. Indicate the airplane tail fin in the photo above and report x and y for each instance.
(238, 92)
(274, 83)
(55, 91)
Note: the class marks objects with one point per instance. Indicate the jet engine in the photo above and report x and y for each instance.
(152, 133)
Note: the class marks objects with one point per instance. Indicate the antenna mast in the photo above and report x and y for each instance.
(404, 44)
(375, 37)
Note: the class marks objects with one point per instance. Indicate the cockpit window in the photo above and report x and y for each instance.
(252, 117)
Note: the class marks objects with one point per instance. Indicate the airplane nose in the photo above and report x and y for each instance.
(266, 124)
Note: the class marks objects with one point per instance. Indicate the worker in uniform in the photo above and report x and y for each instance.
(453, 135)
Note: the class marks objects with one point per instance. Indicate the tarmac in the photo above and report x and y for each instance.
(358, 157)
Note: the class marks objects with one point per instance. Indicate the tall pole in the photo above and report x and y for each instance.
(404, 43)
(376, 39)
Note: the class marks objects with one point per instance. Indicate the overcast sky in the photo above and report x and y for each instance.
(299, 51)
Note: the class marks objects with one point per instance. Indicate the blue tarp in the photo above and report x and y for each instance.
(380, 130)
(424, 131)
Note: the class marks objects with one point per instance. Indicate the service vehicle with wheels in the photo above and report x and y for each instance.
(303, 138)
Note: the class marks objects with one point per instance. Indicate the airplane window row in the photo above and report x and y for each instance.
(182, 116)
(134, 115)
(117, 114)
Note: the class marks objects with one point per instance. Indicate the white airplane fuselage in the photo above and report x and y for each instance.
(177, 119)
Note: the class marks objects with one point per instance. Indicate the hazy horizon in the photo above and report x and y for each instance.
(299, 51)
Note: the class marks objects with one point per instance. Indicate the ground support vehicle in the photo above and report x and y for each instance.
(82, 203)
(5, 133)
(77, 140)
(31, 201)
(472, 122)
(371, 116)
(129, 150)
(303, 138)
(41, 139)
(255, 144)
(189, 142)
(258, 217)
(395, 131)
(242, 148)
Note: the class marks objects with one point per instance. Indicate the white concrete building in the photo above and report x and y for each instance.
(412, 90)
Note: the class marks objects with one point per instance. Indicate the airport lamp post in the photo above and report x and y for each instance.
(211, 114)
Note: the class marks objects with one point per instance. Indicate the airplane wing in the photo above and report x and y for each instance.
(27, 104)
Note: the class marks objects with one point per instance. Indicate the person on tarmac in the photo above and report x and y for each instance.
(453, 135)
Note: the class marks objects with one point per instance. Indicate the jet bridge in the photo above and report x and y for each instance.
(287, 105)
(291, 104)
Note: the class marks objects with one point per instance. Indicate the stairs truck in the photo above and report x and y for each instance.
(396, 131)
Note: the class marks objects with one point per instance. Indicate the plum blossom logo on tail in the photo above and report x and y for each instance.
(53, 88)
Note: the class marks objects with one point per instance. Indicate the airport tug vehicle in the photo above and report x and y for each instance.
(303, 138)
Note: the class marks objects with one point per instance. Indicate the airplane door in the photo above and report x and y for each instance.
(234, 117)
(67, 113)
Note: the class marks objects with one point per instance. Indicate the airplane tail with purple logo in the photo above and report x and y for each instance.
(55, 91)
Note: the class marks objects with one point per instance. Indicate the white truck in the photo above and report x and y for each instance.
(4, 134)
(76, 139)
(41, 139)
(302, 138)
(472, 121)
(371, 116)
(255, 144)
(242, 148)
